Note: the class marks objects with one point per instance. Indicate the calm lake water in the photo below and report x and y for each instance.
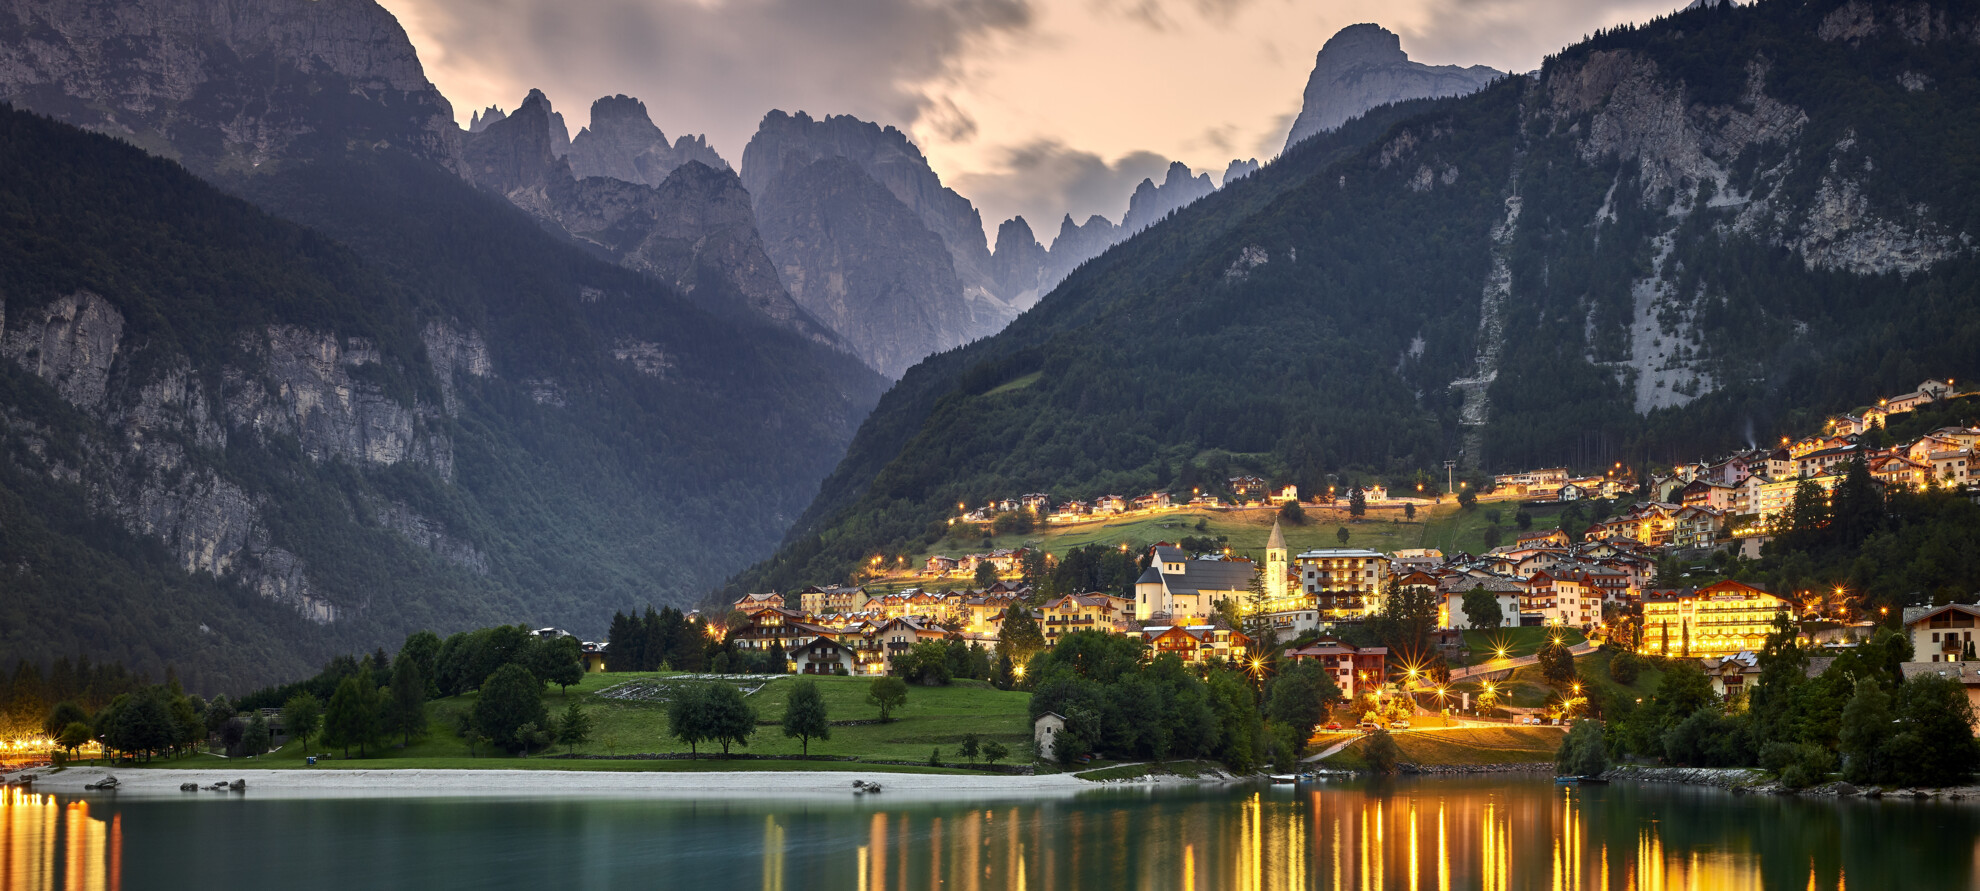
(1484, 834)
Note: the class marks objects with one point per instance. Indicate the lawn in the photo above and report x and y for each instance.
(1517, 642)
(934, 717)
(1472, 745)
(1451, 530)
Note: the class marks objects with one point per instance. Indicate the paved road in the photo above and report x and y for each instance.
(1458, 674)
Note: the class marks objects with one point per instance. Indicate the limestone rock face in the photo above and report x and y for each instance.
(226, 85)
(1018, 265)
(694, 229)
(864, 264)
(1238, 170)
(785, 141)
(1364, 66)
(622, 143)
(861, 282)
(289, 385)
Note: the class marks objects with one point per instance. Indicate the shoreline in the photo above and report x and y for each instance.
(1753, 781)
(436, 782)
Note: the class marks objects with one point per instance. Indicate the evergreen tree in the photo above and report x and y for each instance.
(1019, 636)
(574, 729)
(423, 648)
(1357, 502)
(405, 711)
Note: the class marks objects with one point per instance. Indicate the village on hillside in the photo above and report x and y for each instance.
(1209, 606)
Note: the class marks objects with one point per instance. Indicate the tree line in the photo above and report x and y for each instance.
(1118, 703)
(1859, 718)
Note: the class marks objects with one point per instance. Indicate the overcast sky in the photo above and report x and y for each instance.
(1039, 107)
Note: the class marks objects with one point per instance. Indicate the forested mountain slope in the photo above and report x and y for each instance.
(236, 446)
(1673, 240)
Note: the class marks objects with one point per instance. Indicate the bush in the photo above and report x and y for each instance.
(1380, 751)
(1800, 765)
(1584, 752)
(1625, 667)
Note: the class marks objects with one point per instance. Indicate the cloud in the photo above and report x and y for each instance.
(1045, 179)
(713, 66)
(1502, 33)
(1157, 15)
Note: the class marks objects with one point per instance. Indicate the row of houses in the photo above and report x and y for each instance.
(1747, 492)
(1246, 491)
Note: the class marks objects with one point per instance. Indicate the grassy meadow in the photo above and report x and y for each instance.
(934, 717)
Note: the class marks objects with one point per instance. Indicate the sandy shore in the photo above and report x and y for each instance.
(782, 785)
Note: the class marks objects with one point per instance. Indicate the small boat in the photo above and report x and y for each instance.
(1284, 779)
(1580, 781)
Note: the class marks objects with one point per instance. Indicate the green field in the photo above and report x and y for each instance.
(1472, 745)
(934, 717)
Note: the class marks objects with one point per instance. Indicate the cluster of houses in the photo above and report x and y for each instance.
(1746, 494)
(1246, 492)
(1542, 579)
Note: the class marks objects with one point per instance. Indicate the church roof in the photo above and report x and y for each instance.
(1150, 576)
(1278, 539)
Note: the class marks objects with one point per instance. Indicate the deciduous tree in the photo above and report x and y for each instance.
(887, 694)
(804, 715)
(510, 698)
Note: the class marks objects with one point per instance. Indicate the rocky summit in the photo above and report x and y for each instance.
(227, 85)
(623, 143)
(1364, 66)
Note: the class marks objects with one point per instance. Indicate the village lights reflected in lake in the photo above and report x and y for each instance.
(1462, 834)
(48, 843)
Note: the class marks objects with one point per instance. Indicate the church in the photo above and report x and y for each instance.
(1178, 589)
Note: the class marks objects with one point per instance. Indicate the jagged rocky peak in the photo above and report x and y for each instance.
(1239, 170)
(168, 76)
(560, 135)
(1018, 263)
(1150, 202)
(1364, 66)
(623, 143)
(517, 155)
(482, 119)
(788, 141)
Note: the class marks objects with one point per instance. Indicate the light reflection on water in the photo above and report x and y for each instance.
(1465, 834)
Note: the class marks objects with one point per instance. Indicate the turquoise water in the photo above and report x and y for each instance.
(1433, 834)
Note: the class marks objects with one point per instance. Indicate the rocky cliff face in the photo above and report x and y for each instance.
(694, 229)
(1018, 264)
(622, 143)
(153, 467)
(861, 282)
(1363, 66)
(864, 264)
(226, 85)
(785, 141)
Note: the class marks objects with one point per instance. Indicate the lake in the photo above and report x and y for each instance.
(1406, 834)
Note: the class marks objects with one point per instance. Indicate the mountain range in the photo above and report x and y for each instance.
(1671, 239)
(313, 389)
